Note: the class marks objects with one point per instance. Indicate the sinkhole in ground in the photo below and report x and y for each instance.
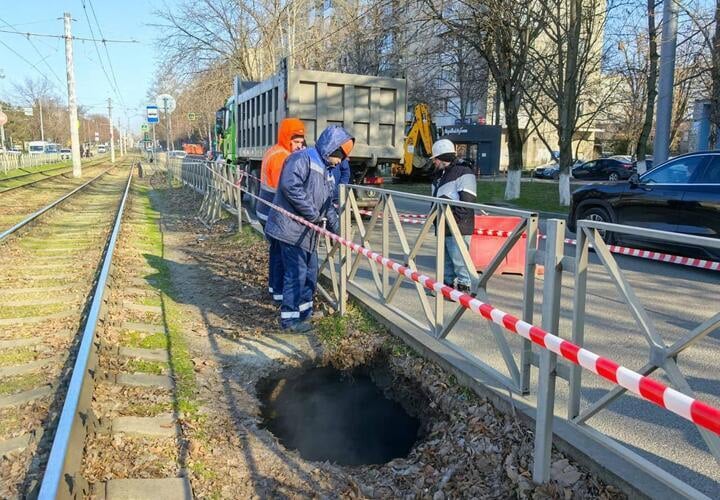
(343, 417)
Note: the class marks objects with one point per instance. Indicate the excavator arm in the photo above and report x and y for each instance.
(418, 143)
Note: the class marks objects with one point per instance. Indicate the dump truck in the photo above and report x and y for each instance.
(371, 108)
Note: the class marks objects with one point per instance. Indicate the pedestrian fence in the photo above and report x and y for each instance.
(631, 252)
(11, 161)
(555, 357)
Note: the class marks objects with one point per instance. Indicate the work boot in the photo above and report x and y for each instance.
(301, 327)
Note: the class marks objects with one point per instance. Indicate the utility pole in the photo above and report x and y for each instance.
(167, 125)
(72, 100)
(112, 132)
(668, 44)
(2, 130)
(42, 128)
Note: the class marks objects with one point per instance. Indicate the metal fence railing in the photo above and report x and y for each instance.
(392, 265)
(12, 161)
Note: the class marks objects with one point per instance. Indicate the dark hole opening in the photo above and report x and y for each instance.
(343, 417)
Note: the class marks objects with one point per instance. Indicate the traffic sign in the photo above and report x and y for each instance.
(192, 116)
(152, 114)
(3, 118)
(165, 102)
(144, 127)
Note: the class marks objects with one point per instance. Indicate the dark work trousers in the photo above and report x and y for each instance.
(276, 271)
(301, 270)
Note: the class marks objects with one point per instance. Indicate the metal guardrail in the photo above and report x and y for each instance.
(432, 231)
(384, 286)
(52, 205)
(10, 161)
(68, 443)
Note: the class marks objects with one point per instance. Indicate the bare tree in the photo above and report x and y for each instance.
(566, 73)
(502, 32)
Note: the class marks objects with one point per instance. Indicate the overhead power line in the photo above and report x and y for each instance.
(23, 58)
(97, 50)
(107, 52)
(79, 38)
(42, 58)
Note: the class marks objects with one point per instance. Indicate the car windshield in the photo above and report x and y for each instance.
(679, 171)
(36, 148)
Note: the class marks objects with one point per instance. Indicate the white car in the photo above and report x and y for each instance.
(65, 153)
(102, 149)
(177, 154)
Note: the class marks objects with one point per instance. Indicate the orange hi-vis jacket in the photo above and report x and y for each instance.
(272, 163)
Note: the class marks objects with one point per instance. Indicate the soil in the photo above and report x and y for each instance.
(468, 448)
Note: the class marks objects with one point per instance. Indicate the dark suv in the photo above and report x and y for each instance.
(681, 195)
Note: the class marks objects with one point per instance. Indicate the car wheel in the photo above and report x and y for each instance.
(613, 177)
(599, 214)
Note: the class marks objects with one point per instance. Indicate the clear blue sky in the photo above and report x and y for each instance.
(133, 64)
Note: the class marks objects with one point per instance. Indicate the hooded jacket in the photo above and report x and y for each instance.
(306, 189)
(457, 182)
(272, 163)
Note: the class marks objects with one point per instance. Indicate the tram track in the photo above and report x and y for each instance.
(49, 271)
(28, 178)
(22, 200)
(121, 407)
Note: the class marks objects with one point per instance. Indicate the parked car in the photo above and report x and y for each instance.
(177, 154)
(101, 149)
(547, 171)
(681, 195)
(604, 169)
(552, 170)
(65, 153)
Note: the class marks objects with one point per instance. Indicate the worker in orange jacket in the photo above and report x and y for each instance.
(291, 138)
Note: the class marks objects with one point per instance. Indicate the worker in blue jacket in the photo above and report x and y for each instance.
(306, 189)
(342, 176)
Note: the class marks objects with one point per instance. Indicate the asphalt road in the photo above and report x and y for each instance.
(676, 298)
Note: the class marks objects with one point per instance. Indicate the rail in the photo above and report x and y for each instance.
(52, 205)
(67, 446)
(355, 242)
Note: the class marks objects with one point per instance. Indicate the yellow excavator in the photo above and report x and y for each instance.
(418, 146)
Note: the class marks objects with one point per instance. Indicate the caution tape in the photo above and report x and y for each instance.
(628, 251)
(694, 410)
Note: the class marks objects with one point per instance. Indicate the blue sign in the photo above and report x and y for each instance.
(153, 116)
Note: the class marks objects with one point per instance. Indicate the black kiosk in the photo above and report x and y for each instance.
(479, 144)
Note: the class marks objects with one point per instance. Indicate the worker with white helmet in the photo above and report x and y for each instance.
(455, 180)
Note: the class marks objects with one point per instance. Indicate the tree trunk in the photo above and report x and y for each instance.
(515, 150)
(564, 187)
(653, 56)
(567, 109)
(715, 75)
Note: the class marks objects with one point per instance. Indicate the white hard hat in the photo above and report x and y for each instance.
(442, 147)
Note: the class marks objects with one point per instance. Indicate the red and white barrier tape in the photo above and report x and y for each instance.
(632, 252)
(694, 410)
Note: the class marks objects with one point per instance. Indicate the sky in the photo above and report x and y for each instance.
(133, 63)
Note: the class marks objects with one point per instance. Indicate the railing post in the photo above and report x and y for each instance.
(440, 268)
(344, 251)
(552, 286)
(385, 246)
(528, 300)
(578, 322)
(238, 195)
